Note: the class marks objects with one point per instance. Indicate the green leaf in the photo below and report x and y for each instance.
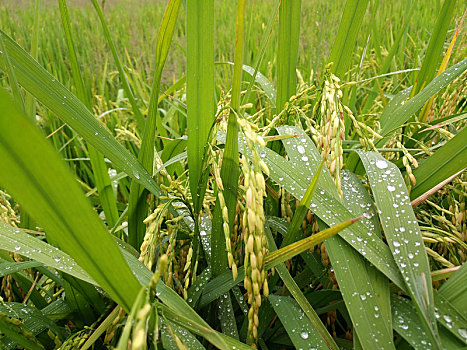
(398, 113)
(200, 91)
(451, 317)
(230, 159)
(302, 208)
(138, 205)
(455, 290)
(101, 175)
(435, 49)
(287, 50)
(342, 49)
(402, 233)
(407, 323)
(39, 181)
(299, 328)
(446, 161)
(188, 339)
(71, 110)
(123, 78)
(358, 201)
(7, 268)
(318, 330)
(264, 82)
(34, 319)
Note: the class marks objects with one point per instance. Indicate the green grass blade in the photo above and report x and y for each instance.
(451, 317)
(434, 52)
(400, 112)
(138, 206)
(230, 159)
(200, 91)
(185, 337)
(227, 316)
(5, 60)
(318, 330)
(344, 43)
(446, 161)
(123, 78)
(7, 268)
(101, 175)
(358, 201)
(409, 326)
(302, 208)
(455, 290)
(72, 111)
(266, 85)
(403, 234)
(299, 328)
(287, 51)
(37, 179)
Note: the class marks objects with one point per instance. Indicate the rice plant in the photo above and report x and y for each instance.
(196, 175)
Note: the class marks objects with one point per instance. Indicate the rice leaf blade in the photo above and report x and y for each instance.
(37, 179)
(402, 233)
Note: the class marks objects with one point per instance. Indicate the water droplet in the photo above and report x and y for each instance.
(462, 332)
(391, 188)
(300, 149)
(396, 244)
(17, 247)
(304, 335)
(381, 164)
(363, 296)
(447, 318)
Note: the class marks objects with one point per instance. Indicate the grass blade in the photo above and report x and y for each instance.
(316, 327)
(200, 91)
(344, 43)
(299, 328)
(446, 161)
(138, 206)
(287, 51)
(101, 175)
(455, 290)
(230, 160)
(71, 110)
(123, 78)
(37, 179)
(358, 201)
(403, 234)
(435, 47)
(302, 208)
(325, 203)
(400, 112)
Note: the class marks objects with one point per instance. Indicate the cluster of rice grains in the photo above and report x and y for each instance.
(252, 224)
(329, 131)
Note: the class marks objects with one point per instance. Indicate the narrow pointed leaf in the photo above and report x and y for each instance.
(38, 180)
(402, 233)
(349, 27)
(446, 161)
(298, 326)
(287, 51)
(200, 90)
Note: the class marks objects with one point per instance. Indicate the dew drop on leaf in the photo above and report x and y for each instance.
(381, 164)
